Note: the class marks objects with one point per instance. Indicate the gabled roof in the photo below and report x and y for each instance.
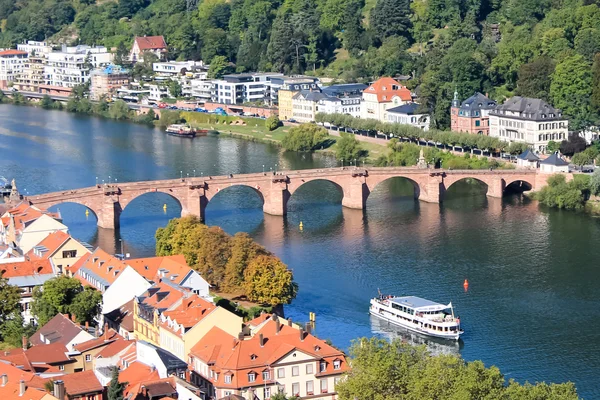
(174, 268)
(162, 295)
(55, 353)
(47, 247)
(24, 214)
(387, 88)
(100, 265)
(555, 160)
(310, 95)
(151, 42)
(477, 102)
(12, 391)
(528, 155)
(59, 329)
(115, 348)
(408, 109)
(344, 89)
(22, 269)
(107, 338)
(80, 383)
(137, 372)
(14, 374)
(123, 316)
(187, 314)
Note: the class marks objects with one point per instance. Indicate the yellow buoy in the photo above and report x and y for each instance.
(301, 225)
(312, 317)
(87, 213)
(165, 207)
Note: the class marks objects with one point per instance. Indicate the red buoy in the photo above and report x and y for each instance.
(466, 284)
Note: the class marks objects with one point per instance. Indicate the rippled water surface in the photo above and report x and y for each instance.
(533, 305)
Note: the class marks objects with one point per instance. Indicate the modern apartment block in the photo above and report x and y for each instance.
(243, 88)
(12, 64)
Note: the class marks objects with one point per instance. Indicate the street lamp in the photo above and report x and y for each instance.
(96, 181)
(355, 163)
(109, 180)
(263, 169)
(121, 243)
(342, 163)
(181, 174)
(194, 173)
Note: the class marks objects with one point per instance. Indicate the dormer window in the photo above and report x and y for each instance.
(337, 364)
(317, 348)
(266, 375)
(322, 366)
(251, 377)
(227, 378)
(253, 357)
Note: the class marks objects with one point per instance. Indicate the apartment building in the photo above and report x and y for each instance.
(105, 81)
(527, 120)
(283, 90)
(409, 114)
(172, 68)
(349, 96)
(243, 88)
(72, 65)
(383, 94)
(12, 64)
(305, 105)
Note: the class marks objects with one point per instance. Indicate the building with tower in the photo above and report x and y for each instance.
(472, 115)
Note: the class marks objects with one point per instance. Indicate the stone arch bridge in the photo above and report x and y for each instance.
(107, 201)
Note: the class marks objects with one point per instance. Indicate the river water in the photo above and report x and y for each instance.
(533, 304)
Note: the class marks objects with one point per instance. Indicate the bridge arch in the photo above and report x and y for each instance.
(481, 180)
(126, 201)
(387, 180)
(71, 201)
(524, 185)
(336, 196)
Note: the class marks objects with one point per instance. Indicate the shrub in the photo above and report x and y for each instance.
(272, 123)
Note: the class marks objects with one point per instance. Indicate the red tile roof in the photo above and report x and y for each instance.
(52, 243)
(115, 348)
(14, 374)
(187, 314)
(174, 268)
(55, 353)
(123, 316)
(101, 264)
(225, 353)
(81, 383)
(11, 52)
(107, 338)
(25, 213)
(151, 42)
(138, 372)
(162, 296)
(26, 268)
(387, 88)
(12, 391)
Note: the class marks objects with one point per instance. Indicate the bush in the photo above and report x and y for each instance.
(119, 110)
(305, 137)
(168, 117)
(272, 123)
(561, 194)
(348, 148)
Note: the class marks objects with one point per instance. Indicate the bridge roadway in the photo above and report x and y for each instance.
(107, 201)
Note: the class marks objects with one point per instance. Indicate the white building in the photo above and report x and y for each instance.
(171, 68)
(156, 93)
(12, 64)
(128, 285)
(350, 97)
(35, 48)
(242, 88)
(381, 95)
(408, 114)
(527, 120)
(554, 164)
(528, 160)
(71, 66)
(306, 104)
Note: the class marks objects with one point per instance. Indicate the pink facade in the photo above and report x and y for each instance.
(474, 125)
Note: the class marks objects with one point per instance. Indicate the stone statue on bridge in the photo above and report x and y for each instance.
(421, 162)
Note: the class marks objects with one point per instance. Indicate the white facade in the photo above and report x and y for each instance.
(35, 48)
(128, 285)
(242, 88)
(176, 67)
(340, 105)
(37, 231)
(201, 89)
(408, 115)
(12, 64)
(197, 285)
(157, 92)
(553, 169)
(69, 67)
(329, 105)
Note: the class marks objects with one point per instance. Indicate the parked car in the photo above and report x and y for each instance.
(292, 120)
(162, 105)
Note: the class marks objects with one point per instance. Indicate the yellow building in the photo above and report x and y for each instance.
(186, 324)
(61, 249)
(285, 104)
(288, 89)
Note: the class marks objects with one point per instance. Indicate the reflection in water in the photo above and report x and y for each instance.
(434, 346)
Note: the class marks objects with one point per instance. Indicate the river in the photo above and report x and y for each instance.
(533, 304)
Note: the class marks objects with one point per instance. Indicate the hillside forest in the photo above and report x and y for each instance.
(538, 48)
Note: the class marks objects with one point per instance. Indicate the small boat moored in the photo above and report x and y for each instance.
(183, 130)
(419, 315)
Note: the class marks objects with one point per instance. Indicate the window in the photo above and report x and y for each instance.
(266, 375)
(309, 369)
(227, 378)
(281, 373)
(477, 123)
(323, 385)
(88, 357)
(295, 371)
(323, 366)
(69, 253)
(251, 377)
(296, 389)
(310, 387)
(267, 392)
(337, 364)
(61, 367)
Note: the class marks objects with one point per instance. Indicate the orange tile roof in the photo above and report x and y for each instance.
(54, 353)
(258, 320)
(161, 296)
(14, 374)
(174, 268)
(12, 391)
(387, 88)
(151, 42)
(107, 338)
(24, 213)
(26, 268)
(81, 383)
(18, 359)
(12, 52)
(99, 263)
(115, 348)
(52, 243)
(187, 314)
(156, 388)
(138, 372)
(129, 356)
(237, 358)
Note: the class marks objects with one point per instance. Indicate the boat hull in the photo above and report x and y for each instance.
(184, 135)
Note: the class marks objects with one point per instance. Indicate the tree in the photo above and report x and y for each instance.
(55, 296)
(86, 305)
(218, 67)
(595, 183)
(305, 137)
(595, 99)
(571, 89)
(174, 88)
(13, 330)
(552, 146)
(119, 110)
(348, 148)
(581, 159)
(121, 54)
(391, 17)
(267, 280)
(215, 43)
(272, 123)
(46, 102)
(517, 148)
(115, 388)
(243, 251)
(535, 77)
(10, 299)
(574, 144)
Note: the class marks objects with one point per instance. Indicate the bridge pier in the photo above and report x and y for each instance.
(109, 214)
(432, 190)
(495, 188)
(275, 199)
(355, 195)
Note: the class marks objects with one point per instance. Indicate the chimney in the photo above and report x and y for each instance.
(73, 318)
(308, 328)
(87, 326)
(59, 390)
(261, 340)
(4, 379)
(301, 335)
(241, 336)
(21, 387)
(277, 327)
(289, 321)
(24, 342)
(106, 331)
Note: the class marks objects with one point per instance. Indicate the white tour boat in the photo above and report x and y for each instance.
(418, 315)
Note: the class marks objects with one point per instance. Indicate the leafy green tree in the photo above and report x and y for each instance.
(46, 102)
(55, 296)
(516, 148)
(391, 17)
(218, 67)
(571, 89)
(119, 110)
(552, 146)
(587, 43)
(13, 330)
(10, 298)
(116, 389)
(215, 43)
(148, 118)
(272, 123)
(267, 280)
(535, 77)
(595, 98)
(121, 54)
(574, 144)
(348, 148)
(86, 305)
(595, 182)
(174, 88)
(243, 250)
(306, 137)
